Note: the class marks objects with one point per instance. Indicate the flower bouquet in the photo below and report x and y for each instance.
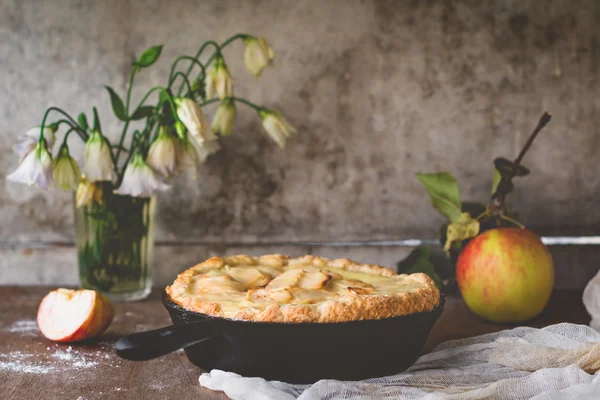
(115, 190)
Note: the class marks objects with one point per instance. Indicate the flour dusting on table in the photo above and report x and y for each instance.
(57, 358)
(25, 327)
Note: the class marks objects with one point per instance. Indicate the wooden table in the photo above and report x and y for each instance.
(32, 367)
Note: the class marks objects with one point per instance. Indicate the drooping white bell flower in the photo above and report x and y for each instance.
(36, 168)
(194, 119)
(223, 120)
(162, 156)
(97, 161)
(29, 139)
(276, 126)
(205, 149)
(258, 55)
(140, 180)
(66, 172)
(218, 81)
(87, 192)
(187, 156)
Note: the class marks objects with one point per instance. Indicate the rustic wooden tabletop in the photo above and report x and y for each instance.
(32, 367)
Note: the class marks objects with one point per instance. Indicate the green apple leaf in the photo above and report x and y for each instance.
(148, 57)
(117, 104)
(142, 112)
(443, 190)
(466, 227)
(418, 261)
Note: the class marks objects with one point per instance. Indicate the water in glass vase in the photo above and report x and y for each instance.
(115, 243)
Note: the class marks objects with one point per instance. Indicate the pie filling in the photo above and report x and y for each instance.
(306, 289)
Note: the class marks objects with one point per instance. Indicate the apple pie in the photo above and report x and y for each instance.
(277, 288)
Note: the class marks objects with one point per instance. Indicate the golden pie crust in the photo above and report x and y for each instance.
(277, 288)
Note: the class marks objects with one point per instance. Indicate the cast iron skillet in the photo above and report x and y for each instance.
(290, 352)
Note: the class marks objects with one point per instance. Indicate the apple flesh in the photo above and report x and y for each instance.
(68, 315)
(505, 275)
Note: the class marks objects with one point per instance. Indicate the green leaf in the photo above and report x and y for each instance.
(418, 261)
(117, 104)
(142, 112)
(148, 57)
(443, 190)
(83, 121)
(466, 227)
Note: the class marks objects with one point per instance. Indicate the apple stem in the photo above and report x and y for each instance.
(496, 206)
(541, 124)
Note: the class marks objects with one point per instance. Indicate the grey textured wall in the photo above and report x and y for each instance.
(379, 90)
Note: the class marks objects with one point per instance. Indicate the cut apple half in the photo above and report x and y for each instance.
(68, 315)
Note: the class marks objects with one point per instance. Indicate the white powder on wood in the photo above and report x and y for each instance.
(25, 327)
(58, 361)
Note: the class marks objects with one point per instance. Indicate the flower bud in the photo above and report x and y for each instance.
(224, 117)
(66, 172)
(276, 126)
(258, 55)
(162, 156)
(97, 161)
(87, 192)
(218, 81)
(190, 113)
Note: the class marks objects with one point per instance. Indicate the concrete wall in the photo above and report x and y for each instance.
(379, 90)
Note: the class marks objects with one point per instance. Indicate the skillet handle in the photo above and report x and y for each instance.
(152, 344)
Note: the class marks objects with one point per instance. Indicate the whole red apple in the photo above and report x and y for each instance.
(68, 315)
(505, 275)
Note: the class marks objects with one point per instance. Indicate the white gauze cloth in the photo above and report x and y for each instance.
(557, 362)
(591, 300)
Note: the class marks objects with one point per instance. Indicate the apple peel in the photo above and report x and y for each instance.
(67, 315)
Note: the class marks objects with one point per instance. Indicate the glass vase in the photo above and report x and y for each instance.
(114, 235)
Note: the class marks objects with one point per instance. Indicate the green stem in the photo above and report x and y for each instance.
(225, 44)
(69, 119)
(64, 142)
(131, 152)
(155, 88)
(194, 61)
(77, 129)
(246, 102)
(198, 54)
(130, 86)
(209, 101)
(185, 80)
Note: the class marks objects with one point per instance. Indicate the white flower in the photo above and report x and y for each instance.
(29, 140)
(66, 172)
(140, 180)
(218, 81)
(205, 149)
(223, 119)
(97, 161)
(187, 156)
(87, 192)
(258, 55)
(277, 126)
(191, 153)
(36, 168)
(162, 156)
(192, 116)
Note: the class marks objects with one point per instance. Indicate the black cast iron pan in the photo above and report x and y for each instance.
(290, 352)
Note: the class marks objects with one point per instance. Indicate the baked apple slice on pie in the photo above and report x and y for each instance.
(277, 288)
